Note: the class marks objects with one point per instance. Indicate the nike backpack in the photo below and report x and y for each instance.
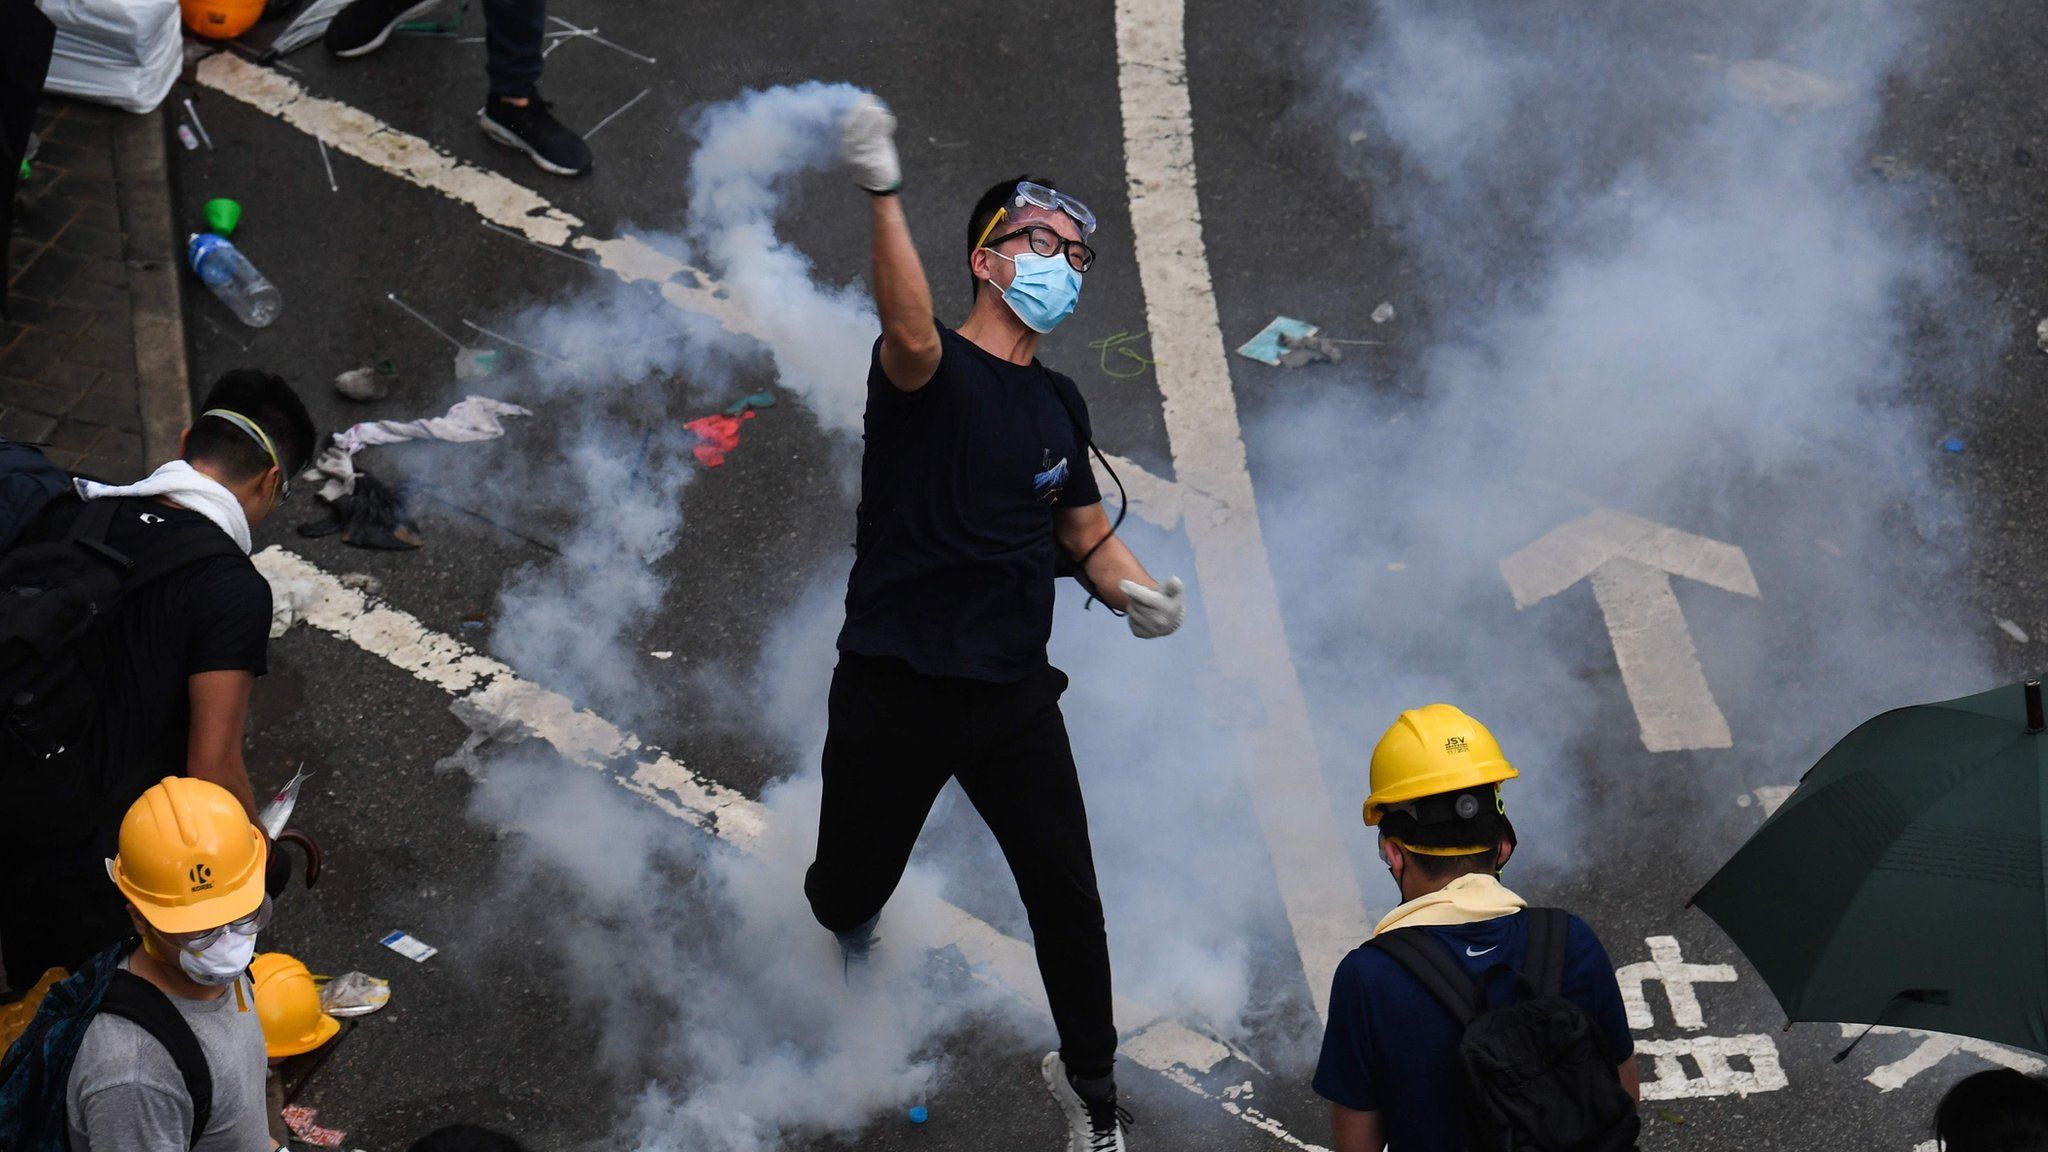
(35, 1076)
(59, 599)
(1534, 1078)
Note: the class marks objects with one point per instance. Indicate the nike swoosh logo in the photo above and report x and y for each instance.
(1481, 952)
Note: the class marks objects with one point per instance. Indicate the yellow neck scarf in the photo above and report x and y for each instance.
(1466, 900)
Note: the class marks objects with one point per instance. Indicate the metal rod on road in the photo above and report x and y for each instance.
(548, 248)
(198, 124)
(518, 345)
(591, 33)
(414, 313)
(615, 115)
(327, 164)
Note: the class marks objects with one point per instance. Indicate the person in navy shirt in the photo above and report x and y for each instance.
(1389, 1064)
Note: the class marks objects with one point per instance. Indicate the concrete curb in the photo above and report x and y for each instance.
(163, 381)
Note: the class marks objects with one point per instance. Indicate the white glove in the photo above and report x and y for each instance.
(1153, 614)
(867, 143)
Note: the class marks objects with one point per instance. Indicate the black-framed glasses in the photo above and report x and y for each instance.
(1046, 242)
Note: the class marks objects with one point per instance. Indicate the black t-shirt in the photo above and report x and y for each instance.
(212, 615)
(953, 567)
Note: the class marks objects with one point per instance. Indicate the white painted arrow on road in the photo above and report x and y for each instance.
(1631, 562)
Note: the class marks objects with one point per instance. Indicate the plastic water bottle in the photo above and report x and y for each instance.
(223, 268)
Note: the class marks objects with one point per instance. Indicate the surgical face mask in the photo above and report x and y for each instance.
(1043, 292)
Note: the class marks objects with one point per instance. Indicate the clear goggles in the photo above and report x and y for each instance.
(1029, 195)
(248, 925)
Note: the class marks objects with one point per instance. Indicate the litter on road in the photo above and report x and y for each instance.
(364, 385)
(1383, 313)
(1952, 445)
(1118, 344)
(186, 138)
(2011, 629)
(754, 400)
(716, 436)
(416, 314)
(1783, 88)
(476, 363)
(409, 946)
(473, 419)
(198, 125)
(302, 1121)
(353, 994)
(2041, 335)
(500, 336)
(327, 164)
(1269, 345)
(222, 215)
(615, 115)
(591, 34)
(373, 515)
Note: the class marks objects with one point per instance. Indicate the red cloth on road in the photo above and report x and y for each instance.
(716, 436)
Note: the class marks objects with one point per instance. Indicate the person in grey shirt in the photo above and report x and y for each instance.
(191, 865)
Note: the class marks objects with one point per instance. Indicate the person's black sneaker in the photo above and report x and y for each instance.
(855, 946)
(364, 26)
(532, 129)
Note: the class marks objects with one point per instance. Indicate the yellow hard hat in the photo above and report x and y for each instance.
(288, 1004)
(220, 19)
(190, 860)
(1430, 751)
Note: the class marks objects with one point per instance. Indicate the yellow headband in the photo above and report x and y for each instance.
(1460, 851)
(249, 426)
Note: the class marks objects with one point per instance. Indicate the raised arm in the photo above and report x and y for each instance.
(910, 339)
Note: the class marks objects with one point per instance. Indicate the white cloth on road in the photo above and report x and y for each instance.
(187, 487)
(475, 418)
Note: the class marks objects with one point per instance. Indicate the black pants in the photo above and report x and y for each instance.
(512, 44)
(895, 738)
(57, 908)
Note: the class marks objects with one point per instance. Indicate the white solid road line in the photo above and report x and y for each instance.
(1630, 562)
(1282, 769)
(581, 737)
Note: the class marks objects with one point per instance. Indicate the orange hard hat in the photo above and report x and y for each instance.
(220, 19)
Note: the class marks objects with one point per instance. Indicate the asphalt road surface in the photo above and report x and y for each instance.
(581, 1012)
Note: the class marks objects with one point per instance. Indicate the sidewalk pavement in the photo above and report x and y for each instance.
(92, 361)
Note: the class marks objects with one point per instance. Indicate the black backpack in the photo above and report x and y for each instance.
(59, 599)
(1534, 1078)
(35, 1077)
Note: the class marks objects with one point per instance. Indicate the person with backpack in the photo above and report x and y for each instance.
(156, 1045)
(975, 484)
(132, 628)
(1469, 1021)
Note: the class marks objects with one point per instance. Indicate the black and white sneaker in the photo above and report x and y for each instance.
(364, 26)
(532, 129)
(1094, 1122)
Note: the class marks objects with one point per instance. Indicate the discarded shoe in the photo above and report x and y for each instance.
(364, 26)
(1094, 1121)
(373, 516)
(533, 129)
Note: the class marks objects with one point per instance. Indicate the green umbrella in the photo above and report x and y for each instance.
(1905, 882)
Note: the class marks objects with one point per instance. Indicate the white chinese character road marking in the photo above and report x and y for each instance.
(1717, 1076)
(1667, 968)
(1935, 1047)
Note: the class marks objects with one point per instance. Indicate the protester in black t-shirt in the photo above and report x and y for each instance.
(186, 651)
(974, 477)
